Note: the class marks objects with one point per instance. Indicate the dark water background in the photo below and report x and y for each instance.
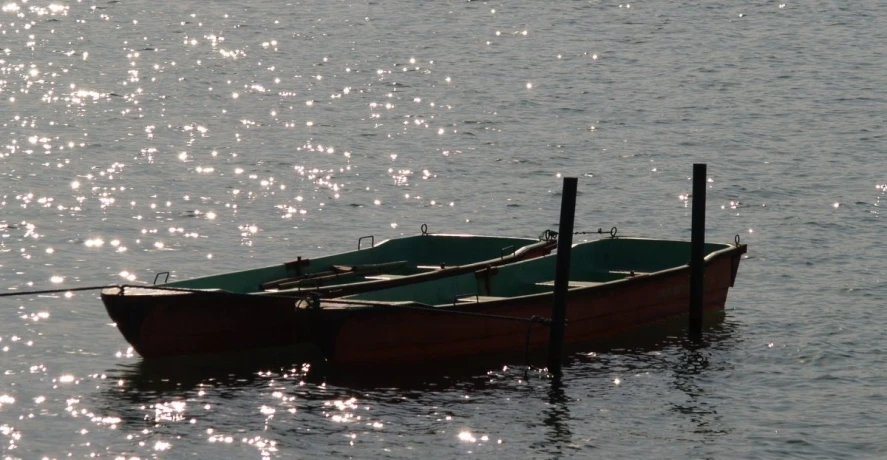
(194, 137)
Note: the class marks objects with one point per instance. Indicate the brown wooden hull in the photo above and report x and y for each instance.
(174, 325)
(161, 326)
(392, 336)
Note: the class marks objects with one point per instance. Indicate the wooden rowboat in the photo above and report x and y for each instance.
(393, 262)
(616, 285)
(375, 265)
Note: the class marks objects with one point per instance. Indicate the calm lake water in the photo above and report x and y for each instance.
(192, 137)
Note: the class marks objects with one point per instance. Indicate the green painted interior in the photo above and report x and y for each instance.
(421, 250)
(596, 261)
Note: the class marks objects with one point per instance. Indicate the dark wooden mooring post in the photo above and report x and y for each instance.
(697, 251)
(562, 276)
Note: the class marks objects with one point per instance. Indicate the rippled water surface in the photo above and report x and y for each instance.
(141, 137)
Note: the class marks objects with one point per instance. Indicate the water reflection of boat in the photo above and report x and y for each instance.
(140, 392)
(150, 378)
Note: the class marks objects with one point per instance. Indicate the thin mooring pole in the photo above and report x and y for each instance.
(697, 251)
(562, 276)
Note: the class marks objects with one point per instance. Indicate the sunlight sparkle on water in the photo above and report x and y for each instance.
(94, 243)
(172, 411)
(38, 316)
(221, 438)
(128, 354)
(161, 446)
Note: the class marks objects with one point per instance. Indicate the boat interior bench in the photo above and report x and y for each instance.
(606, 277)
(334, 274)
(431, 267)
(573, 284)
(628, 273)
(383, 277)
(473, 298)
(420, 268)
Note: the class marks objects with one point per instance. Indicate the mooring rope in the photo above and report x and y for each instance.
(57, 291)
(552, 235)
(300, 296)
(122, 287)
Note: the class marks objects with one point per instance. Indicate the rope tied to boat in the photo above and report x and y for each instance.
(550, 235)
(57, 291)
(540, 320)
(122, 290)
(535, 319)
(310, 300)
(600, 231)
